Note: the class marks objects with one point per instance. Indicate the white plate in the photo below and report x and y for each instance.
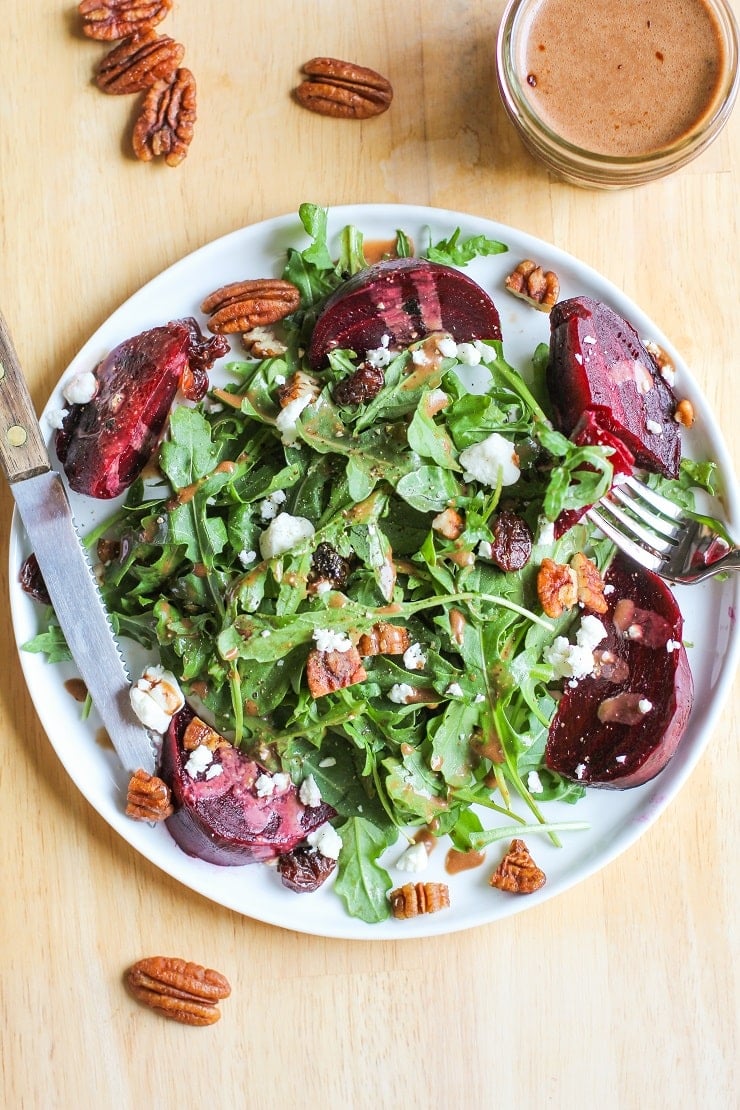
(617, 818)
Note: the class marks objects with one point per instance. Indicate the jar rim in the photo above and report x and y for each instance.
(566, 157)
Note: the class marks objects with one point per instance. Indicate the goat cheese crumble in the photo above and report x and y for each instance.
(326, 639)
(156, 697)
(491, 461)
(283, 534)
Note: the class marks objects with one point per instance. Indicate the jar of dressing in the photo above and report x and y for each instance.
(614, 93)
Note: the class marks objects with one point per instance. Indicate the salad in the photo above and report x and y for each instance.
(290, 519)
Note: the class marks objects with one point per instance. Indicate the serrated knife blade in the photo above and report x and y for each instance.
(44, 508)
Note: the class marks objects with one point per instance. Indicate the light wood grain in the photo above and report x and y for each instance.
(622, 993)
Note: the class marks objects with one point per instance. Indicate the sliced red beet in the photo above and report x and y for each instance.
(588, 431)
(105, 443)
(404, 299)
(652, 668)
(598, 366)
(222, 819)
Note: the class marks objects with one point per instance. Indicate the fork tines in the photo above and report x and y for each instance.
(644, 524)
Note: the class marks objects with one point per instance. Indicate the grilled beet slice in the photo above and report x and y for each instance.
(599, 368)
(600, 735)
(222, 819)
(105, 444)
(403, 299)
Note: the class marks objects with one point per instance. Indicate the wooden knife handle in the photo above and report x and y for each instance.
(22, 449)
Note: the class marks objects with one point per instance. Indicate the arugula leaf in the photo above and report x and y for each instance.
(362, 883)
(452, 252)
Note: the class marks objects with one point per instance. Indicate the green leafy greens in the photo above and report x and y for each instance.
(431, 738)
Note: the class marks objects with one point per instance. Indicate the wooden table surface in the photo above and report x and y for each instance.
(622, 992)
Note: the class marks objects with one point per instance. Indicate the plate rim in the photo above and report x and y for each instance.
(186, 870)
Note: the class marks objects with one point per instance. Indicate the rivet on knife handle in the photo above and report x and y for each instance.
(22, 449)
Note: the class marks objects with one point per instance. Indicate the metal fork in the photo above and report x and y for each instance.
(660, 535)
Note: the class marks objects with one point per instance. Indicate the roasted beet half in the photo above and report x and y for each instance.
(620, 726)
(404, 299)
(104, 444)
(604, 383)
(221, 819)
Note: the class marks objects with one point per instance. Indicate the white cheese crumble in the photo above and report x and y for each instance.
(672, 645)
(306, 392)
(81, 388)
(414, 658)
(264, 786)
(309, 792)
(454, 690)
(644, 705)
(200, 760)
(156, 697)
(468, 354)
(284, 533)
(491, 461)
(326, 639)
(485, 550)
(246, 557)
(55, 417)
(580, 770)
(576, 660)
(401, 693)
(326, 840)
(534, 783)
(546, 533)
(214, 771)
(381, 356)
(487, 354)
(654, 427)
(330, 761)
(447, 347)
(282, 781)
(270, 507)
(415, 858)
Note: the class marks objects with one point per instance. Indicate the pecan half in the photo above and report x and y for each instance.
(137, 62)
(244, 305)
(108, 20)
(263, 342)
(183, 991)
(327, 671)
(518, 873)
(167, 120)
(684, 413)
(384, 638)
(343, 90)
(148, 798)
(557, 587)
(590, 584)
(534, 285)
(413, 899)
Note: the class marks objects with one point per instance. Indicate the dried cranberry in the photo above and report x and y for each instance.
(304, 869)
(512, 541)
(329, 565)
(362, 386)
(32, 581)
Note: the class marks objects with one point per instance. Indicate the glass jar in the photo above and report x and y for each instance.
(616, 93)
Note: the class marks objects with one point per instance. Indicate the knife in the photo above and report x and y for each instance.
(44, 508)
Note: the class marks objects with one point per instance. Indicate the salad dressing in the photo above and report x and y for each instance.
(622, 77)
(456, 861)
